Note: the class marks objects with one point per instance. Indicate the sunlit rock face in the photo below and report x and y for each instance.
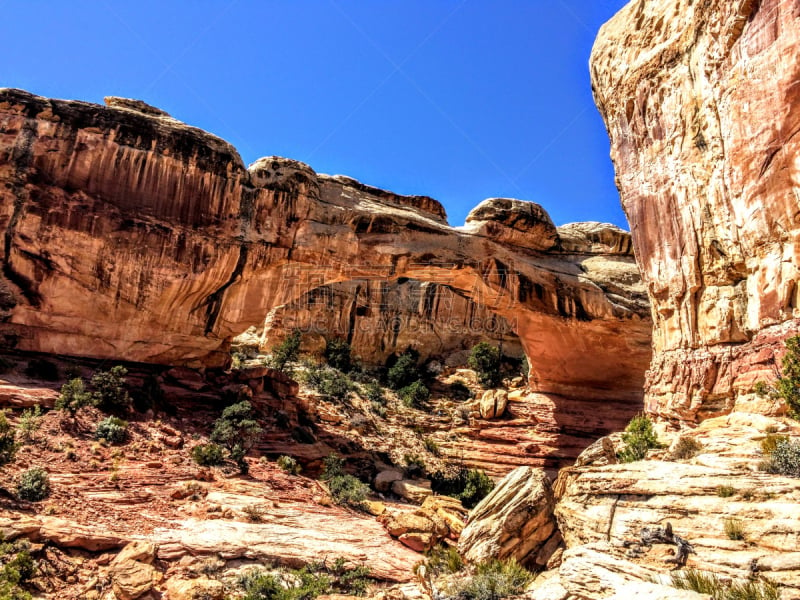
(130, 234)
(701, 105)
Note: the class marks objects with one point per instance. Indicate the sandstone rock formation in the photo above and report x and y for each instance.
(514, 521)
(701, 105)
(381, 318)
(131, 234)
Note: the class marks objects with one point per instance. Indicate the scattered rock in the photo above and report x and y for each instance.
(413, 490)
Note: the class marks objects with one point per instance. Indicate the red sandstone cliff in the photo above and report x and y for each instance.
(701, 105)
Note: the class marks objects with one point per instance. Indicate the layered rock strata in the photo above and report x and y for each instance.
(128, 233)
(701, 104)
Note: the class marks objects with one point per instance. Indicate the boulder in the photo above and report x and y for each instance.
(201, 588)
(132, 574)
(516, 222)
(493, 404)
(385, 479)
(514, 521)
(413, 490)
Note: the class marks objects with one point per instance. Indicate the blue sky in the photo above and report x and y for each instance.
(458, 100)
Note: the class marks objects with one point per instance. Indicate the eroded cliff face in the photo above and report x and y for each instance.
(381, 318)
(700, 101)
(129, 234)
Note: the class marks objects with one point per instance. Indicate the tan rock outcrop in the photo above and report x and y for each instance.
(132, 572)
(701, 104)
(493, 404)
(381, 318)
(514, 521)
(438, 518)
(200, 588)
(176, 247)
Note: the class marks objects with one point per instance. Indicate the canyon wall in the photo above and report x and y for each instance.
(128, 234)
(702, 106)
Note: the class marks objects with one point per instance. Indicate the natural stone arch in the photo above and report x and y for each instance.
(131, 235)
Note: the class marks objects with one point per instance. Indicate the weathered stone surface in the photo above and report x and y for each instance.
(493, 404)
(514, 521)
(200, 588)
(594, 238)
(385, 479)
(602, 452)
(176, 247)
(517, 222)
(612, 504)
(701, 104)
(413, 490)
(132, 574)
(380, 318)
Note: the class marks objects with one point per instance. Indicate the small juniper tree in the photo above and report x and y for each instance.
(404, 371)
(338, 355)
(73, 396)
(8, 443)
(639, 437)
(238, 431)
(788, 384)
(286, 352)
(109, 386)
(484, 359)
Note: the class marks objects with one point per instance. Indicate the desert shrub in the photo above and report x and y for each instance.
(373, 391)
(415, 465)
(208, 455)
(73, 396)
(238, 431)
(345, 489)
(404, 371)
(468, 485)
(286, 352)
(770, 442)
(109, 389)
(784, 459)
(8, 442)
(492, 580)
(29, 423)
(334, 385)
(444, 559)
(17, 567)
(337, 355)
(414, 395)
(708, 583)
(725, 491)
(734, 529)
(458, 390)
(484, 359)
(33, 485)
(41, 368)
(431, 446)
(788, 384)
(686, 448)
(378, 409)
(289, 464)
(112, 429)
(313, 580)
(638, 437)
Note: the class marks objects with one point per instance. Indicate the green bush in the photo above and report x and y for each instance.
(334, 385)
(112, 429)
(468, 485)
(289, 464)
(414, 395)
(734, 529)
(8, 442)
(337, 355)
(373, 392)
(784, 459)
(788, 384)
(708, 583)
(208, 455)
(33, 485)
(315, 579)
(238, 431)
(492, 580)
(639, 437)
(41, 368)
(484, 359)
(29, 423)
(685, 448)
(73, 396)
(345, 489)
(404, 371)
(725, 491)
(17, 567)
(443, 559)
(286, 352)
(109, 389)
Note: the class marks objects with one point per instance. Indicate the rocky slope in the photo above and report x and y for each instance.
(128, 233)
(700, 104)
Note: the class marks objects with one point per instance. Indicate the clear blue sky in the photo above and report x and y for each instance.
(459, 100)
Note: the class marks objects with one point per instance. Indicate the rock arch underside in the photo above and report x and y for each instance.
(128, 234)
